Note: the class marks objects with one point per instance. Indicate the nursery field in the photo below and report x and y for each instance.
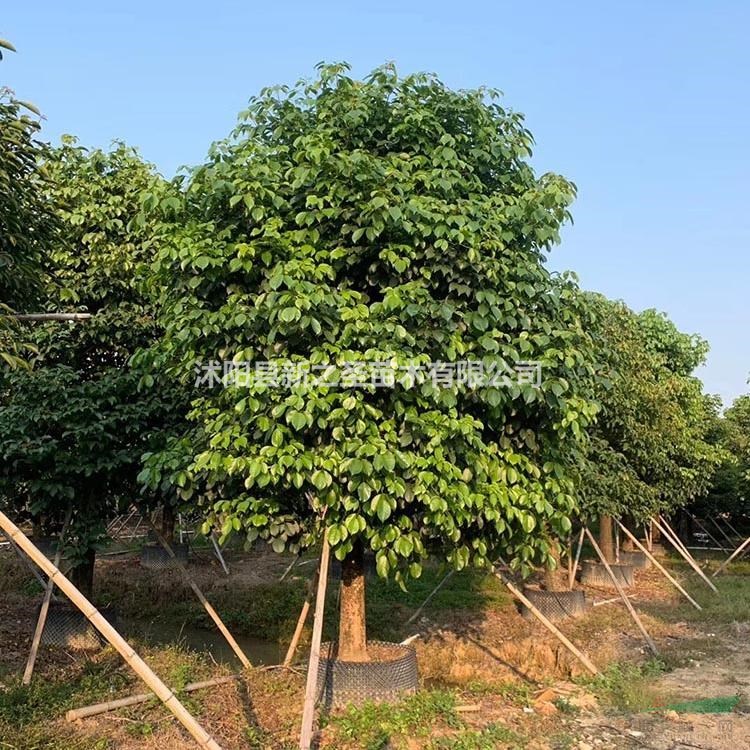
(489, 678)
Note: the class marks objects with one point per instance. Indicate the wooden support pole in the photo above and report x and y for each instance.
(675, 542)
(42, 619)
(617, 540)
(706, 531)
(302, 619)
(572, 570)
(622, 594)
(288, 569)
(732, 529)
(39, 317)
(133, 700)
(610, 601)
(722, 532)
(308, 714)
(434, 591)
(731, 557)
(547, 624)
(659, 567)
(217, 552)
(212, 613)
(167, 697)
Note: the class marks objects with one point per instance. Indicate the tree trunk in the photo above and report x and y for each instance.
(352, 619)
(82, 575)
(168, 523)
(607, 538)
(553, 579)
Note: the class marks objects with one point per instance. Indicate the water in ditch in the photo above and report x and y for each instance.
(162, 633)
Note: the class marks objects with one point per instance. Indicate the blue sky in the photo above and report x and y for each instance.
(645, 105)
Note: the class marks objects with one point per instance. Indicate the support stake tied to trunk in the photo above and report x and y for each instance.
(167, 697)
(623, 596)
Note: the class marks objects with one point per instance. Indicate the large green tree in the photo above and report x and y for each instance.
(650, 451)
(388, 220)
(730, 484)
(73, 430)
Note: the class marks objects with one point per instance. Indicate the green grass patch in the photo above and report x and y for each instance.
(626, 686)
(491, 737)
(376, 725)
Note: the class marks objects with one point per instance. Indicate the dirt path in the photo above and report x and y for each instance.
(719, 676)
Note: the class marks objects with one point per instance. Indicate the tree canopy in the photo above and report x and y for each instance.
(389, 220)
(650, 448)
(73, 429)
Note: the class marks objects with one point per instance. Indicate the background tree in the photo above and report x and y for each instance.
(649, 450)
(387, 220)
(73, 430)
(730, 485)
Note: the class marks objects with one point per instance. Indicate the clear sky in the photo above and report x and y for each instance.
(645, 105)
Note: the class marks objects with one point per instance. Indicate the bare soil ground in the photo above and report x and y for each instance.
(491, 678)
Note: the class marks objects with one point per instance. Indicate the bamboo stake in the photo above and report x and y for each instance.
(132, 700)
(706, 531)
(288, 569)
(302, 619)
(27, 562)
(660, 567)
(722, 532)
(572, 571)
(42, 619)
(547, 624)
(731, 557)
(308, 714)
(213, 614)
(732, 529)
(140, 667)
(36, 317)
(675, 542)
(429, 598)
(622, 594)
(617, 541)
(217, 551)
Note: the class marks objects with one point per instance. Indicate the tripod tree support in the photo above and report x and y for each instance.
(42, 619)
(675, 542)
(659, 566)
(212, 613)
(165, 695)
(731, 557)
(547, 624)
(622, 594)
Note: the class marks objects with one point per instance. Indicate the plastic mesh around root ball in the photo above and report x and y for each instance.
(636, 558)
(554, 605)
(342, 682)
(595, 574)
(66, 627)
(155, 557)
